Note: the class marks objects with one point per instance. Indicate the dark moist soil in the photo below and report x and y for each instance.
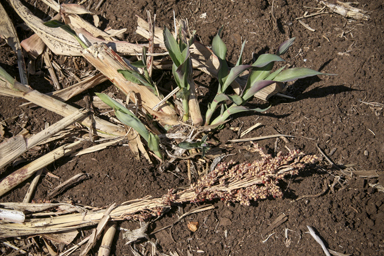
(327, 111)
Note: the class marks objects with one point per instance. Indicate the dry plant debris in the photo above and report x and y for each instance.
(229, 182)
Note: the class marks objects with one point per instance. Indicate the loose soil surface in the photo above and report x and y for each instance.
(329, 111)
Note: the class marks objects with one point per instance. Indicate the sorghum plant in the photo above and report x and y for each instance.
(259, 77)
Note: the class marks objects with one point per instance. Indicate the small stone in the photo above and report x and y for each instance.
(366, 153)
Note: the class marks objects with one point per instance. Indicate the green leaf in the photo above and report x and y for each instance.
(125, 115)
(257, 74)
(138, 64)
(188, 145)
(240, 60)
(199, 144)
(274, 74)
(172, 47)
(236, 109)
(233, 74)
(129, 76)
(296, 73)
(133, 122)
(283, 48)
(153, 145)
(236, 99)
(260, 109)
(182, 72)
(135, 77)
(144, 56)
(223, 71)
(220, 97)
(265, 59)
(218, 46)
(233, 109)
(255, 87)
(54, 24)
(212, 107)
(113, 104)
(4, 75)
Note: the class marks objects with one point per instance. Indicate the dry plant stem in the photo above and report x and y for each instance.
(166, 98)
(143, 30)
(338, 253)
(22, 174)
(14, 247)
(68, 183)
(14, 147)
(97, 232)
(32, 187)
(306, 26)
(36, 207)
(346, 10)
(277, 222)
(98, 147)
(151, 47)
(193, 211)
(8, 32)
(75, 247)
(318, 240)
(51, 251)
(76, 89)
(51, 71)
(99, 4)
(108, 63)
(104, 128)
(327, 158)
(261, 138)
(232, 183)
(193, 104)
(250, 129)
(106, 243)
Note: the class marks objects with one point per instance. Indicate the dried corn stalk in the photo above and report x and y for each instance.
(16, 89)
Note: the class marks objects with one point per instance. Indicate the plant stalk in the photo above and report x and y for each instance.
(185, 109)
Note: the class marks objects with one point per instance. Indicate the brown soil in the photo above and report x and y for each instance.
(327, 111)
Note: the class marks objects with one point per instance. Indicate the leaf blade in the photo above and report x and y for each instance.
(172, 47)
(283, 48)
(296, 73)
(255, 87)
(265, 59)
(233, 74)
(218, 46)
